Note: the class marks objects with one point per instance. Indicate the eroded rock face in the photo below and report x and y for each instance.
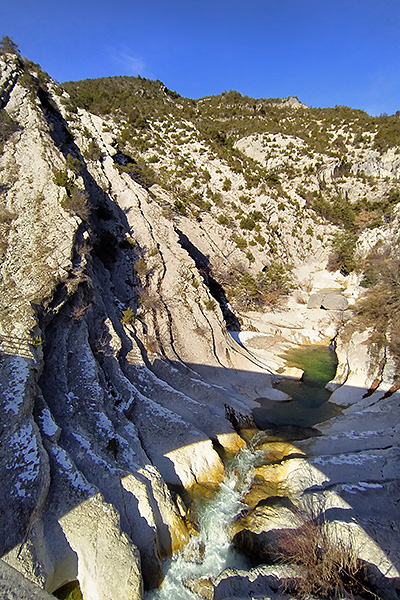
(14, 586)
(95, 425)
(116, 367)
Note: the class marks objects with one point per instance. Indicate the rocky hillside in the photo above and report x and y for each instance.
(144, 236)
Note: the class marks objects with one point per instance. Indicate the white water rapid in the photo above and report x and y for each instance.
(209, 553)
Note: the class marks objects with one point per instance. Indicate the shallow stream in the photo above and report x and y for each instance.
(209, 553)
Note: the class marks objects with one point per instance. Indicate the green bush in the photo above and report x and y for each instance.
(265, 288)
(6, 219)
(93, 151)
(198, 200)
(277, 277)
(257, 215)
(210, 304)
(250, 256)
(8, 46)
(247, 223)
(338, 210)
(36, 341)
(128, 317)
(240, 242)
(388, 133)
(227, 184)
(272, 179)
(140, 172)
(61, 179)
(141, 267)
(180, 207)
(260, 239)
(7, 128)
(344, 249)
(76, 203)
(224, 220)
(73, 164)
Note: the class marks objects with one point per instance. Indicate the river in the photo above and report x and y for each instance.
(209, 553)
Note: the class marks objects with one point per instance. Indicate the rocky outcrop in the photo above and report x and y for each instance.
(349, 467)
(91, 530)
(284, 521)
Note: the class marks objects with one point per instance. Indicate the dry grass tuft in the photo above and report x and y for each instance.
(327, 554)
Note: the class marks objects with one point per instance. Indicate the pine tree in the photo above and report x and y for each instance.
(8, 46)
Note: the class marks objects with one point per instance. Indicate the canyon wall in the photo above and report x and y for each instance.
(117, 365)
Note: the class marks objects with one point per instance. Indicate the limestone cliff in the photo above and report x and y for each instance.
(117, 292)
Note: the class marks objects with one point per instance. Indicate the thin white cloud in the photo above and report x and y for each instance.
(132, 65)
(128, 64)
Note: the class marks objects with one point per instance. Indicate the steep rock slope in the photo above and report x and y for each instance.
(118, 284)
(89, 424)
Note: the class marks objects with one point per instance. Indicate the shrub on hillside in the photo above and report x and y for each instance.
(224, 220)
(62, 179)
(8, 46)
(6, 219)
(141, 268)
(227, 185)
(327, 555)
(73, 164)
(76, 203)
(379, 308)
(239, 241)
(343, 255)
(265, 288)
(7, 128)
(247, 223)
(128, 317)
(140, 172)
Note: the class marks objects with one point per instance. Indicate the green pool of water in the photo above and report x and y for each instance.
(310, 400)
(319, 363)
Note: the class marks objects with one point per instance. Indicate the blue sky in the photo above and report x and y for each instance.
(326, 52)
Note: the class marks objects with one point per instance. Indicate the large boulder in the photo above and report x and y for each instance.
(265, 581)
(329, 301)
(261, 535)
(108, 562)
(334, 301)
(315, 300)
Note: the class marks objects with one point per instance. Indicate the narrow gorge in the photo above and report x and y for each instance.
(159, 258)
